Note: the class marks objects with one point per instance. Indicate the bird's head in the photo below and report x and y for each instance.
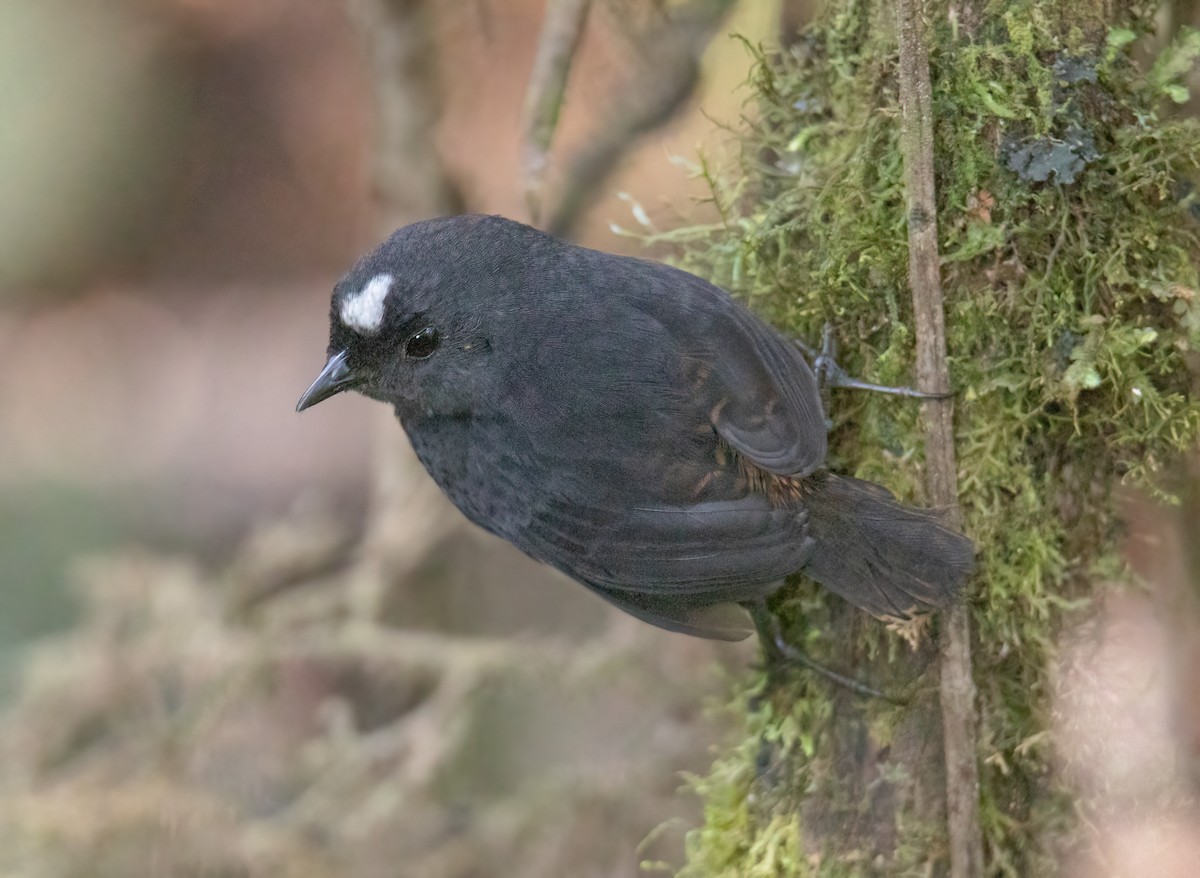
(414, 322)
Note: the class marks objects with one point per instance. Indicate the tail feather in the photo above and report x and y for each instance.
(886, 558)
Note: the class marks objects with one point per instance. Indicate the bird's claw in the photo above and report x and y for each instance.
(830, 374)
(776, 649)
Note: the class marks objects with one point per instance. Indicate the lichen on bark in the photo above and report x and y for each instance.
(1070, 240)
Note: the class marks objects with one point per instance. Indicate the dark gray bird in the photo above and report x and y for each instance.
(625, 422)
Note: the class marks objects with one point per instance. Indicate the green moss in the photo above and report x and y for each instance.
(750, 796)
(1072, 312)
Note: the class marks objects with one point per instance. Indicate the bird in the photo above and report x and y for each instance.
(625, 422)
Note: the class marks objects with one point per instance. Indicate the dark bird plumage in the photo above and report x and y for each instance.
(625, 422)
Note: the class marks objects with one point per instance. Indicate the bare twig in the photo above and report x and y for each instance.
(561, 30)
(957, 685)
(647, 101)
(411, 183)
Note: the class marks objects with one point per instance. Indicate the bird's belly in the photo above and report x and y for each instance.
(513, 489)
(662, 526)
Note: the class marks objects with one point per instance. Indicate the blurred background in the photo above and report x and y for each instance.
(236, 641)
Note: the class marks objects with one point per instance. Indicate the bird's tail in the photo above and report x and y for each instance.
(886, 558)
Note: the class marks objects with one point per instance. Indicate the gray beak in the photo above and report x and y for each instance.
(334, 378)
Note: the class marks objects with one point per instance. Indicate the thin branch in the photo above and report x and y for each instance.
(407, 172)
(559, 39)
(410, 183)
(957, 686)
(647, 101)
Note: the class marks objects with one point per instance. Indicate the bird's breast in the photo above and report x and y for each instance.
(475, 467)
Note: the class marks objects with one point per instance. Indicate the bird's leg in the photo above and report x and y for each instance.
(830, 374)
(776, 649)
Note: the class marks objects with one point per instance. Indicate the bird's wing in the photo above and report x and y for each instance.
(723, 549)
(681, 568)
(768, 407)
(760, 394)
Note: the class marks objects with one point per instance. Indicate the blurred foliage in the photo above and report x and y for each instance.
(248, 721)
(39, 527)
(1072, 317)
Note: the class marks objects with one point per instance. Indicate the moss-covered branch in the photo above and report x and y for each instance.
(1067, 233)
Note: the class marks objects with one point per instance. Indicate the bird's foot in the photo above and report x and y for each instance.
(830, 374)
(777, 650)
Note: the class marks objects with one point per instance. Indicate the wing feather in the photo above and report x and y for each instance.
(724, 550)
(761, 395)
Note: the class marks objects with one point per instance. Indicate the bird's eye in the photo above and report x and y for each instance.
(422, 344)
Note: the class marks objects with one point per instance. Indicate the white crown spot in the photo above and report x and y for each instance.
(364, 310)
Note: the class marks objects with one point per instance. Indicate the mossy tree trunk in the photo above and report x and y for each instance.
(1068, 246)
